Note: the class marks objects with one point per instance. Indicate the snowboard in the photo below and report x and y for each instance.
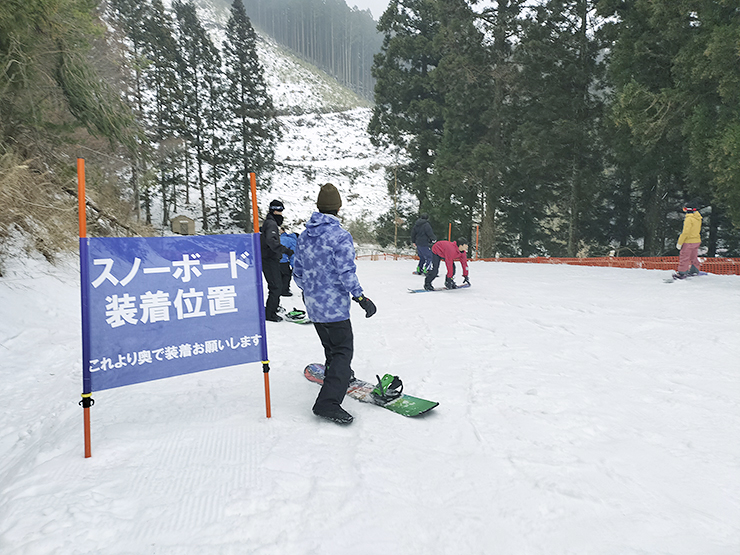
(422, 290)
(675, 277)
(362, 391)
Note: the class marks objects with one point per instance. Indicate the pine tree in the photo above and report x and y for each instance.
(561, 97)
(161, 78)
(131, 17)
(216, 152)
(408, 107)
(646, 42)
(200, 63)
(476, 75)
(254, 130)
(464, 80)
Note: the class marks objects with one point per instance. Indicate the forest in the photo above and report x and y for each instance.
(566, 127)
(167, 116)
(340, 40)
(555, 127)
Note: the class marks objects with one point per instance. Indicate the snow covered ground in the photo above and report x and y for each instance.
(582, 410)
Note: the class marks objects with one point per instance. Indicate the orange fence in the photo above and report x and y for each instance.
(723, 266)
(387, 256)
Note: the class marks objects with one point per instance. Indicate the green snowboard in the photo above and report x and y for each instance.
(362, 391)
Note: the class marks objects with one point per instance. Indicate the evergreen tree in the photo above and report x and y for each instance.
(479, 77)
(254, 130)
(562, 100)
(652, 166)
(408, 106)
(200, 64)
(216, 152)
(464, 80)
(131, 18)
(161, 77)
(707, 85)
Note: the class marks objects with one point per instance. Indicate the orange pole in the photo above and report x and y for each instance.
(256, 224)
(255, 212)
(88, 442)
(267, 394)
(82, 217)
(81, 197)
(449, 233)
(477, 254)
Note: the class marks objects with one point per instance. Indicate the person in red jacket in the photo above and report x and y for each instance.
(449, 251)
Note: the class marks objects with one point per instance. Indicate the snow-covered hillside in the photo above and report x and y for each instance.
(582, 411)
(325, 139)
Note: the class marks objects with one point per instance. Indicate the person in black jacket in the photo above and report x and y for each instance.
(272, 252)
(422, 237)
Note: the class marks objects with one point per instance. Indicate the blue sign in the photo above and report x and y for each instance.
(164, 306)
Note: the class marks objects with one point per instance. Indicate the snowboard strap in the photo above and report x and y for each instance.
(389, 387)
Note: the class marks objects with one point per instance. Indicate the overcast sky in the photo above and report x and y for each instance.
(377, 7)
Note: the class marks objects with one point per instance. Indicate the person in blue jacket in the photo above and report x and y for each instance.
(325, 271)
(286, 262)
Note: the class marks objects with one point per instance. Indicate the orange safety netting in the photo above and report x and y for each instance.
(723, 266)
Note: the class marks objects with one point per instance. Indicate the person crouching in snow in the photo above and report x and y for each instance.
(324, 269)
(689, 241)
(449, 251)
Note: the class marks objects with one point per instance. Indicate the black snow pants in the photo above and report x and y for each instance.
(338, 342)
(271, 269)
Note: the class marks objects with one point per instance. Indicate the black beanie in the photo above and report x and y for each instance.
(692, 205)
(461, 241)
(277, 206)
(329, 199)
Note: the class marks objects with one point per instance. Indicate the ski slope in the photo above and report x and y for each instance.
(582, 411)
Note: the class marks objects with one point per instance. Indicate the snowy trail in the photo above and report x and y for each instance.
(570, 421)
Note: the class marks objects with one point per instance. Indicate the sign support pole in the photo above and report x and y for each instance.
(87, 400)
(265, 361)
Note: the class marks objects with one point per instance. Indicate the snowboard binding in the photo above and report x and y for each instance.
(389, 387)
(297, 315)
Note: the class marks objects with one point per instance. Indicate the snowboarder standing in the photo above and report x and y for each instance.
(286, 262)
(422, 236)
(325, 271)
(689, 241)
(272, 251)
(449, 251)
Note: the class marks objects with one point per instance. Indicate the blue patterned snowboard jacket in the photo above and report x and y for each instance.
(325, 269)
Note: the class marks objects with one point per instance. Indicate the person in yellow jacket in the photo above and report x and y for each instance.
(689, 241)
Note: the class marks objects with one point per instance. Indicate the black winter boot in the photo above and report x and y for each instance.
(335, 413)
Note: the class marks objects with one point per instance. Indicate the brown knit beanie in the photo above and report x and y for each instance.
(329, 199)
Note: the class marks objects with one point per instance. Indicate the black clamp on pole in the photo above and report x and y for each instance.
(87, 401)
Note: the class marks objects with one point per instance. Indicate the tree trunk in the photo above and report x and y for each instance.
(653, 214)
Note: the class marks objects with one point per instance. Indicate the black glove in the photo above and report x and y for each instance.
(466, 280)
(450, 283)
(289, 251)
(367, 305)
